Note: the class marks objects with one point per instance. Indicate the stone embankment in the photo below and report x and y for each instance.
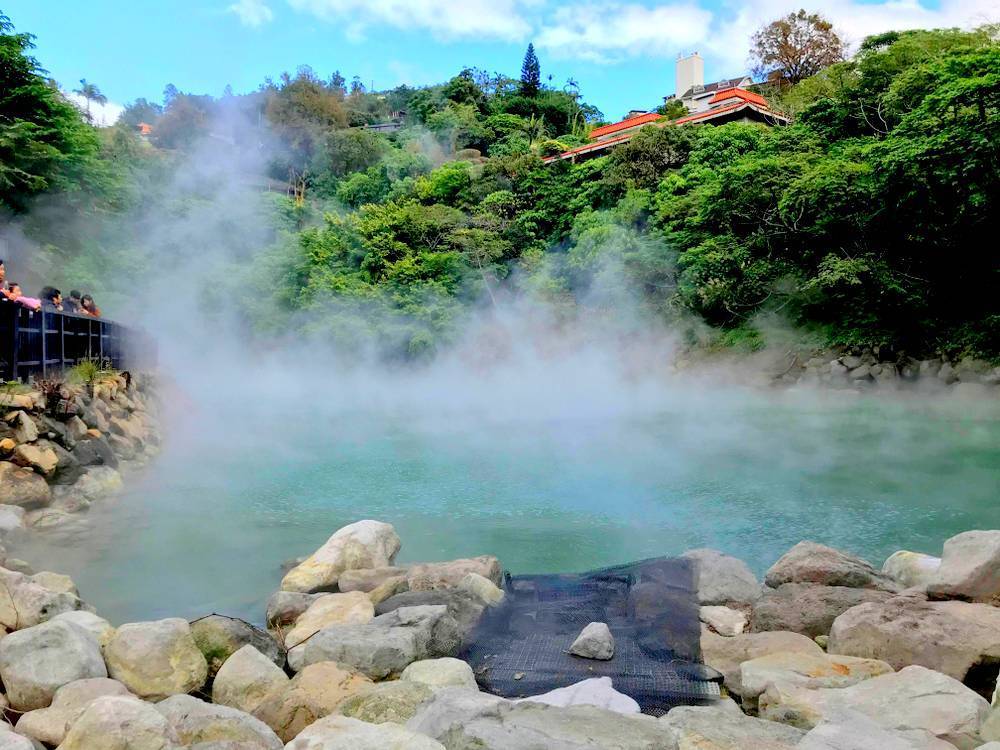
(828, 653)
(61, 451)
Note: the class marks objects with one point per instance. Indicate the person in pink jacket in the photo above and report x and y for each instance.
(13, 293)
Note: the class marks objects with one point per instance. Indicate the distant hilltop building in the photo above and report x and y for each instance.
(145, 129)
(715, 103)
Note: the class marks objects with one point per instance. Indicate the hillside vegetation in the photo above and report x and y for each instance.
(866, 223)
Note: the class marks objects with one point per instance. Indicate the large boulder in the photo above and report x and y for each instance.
(808, 562)
(25, 602)
(956, 638)
(915, 701)
(246, 679)
(855, 731)
(97, 626)
(446, 575)
(482, 588)
(597, 691)
(285, 607)
(724, 620)
(218, 637)
(313, 693)
(594, 642)
(22, 487)
(970, 568)
(396, 701)
(37, 456)
(369, 579)
(49, 725)
(808, 608)
(195, 721)
(365, 544)
(120, 723)
(726, 654)
(714, 728)
(95, 451)
(441, 673)
(465, 608)
(37, 661)
(461, 718)
(806, 670)
(9, 740)
(353, 608)
(156, 659)
(345, 733)
(910, 569)
(723, 579)
(385, 646)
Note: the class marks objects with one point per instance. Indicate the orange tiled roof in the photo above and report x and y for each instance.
(625, 124)
(747, 96)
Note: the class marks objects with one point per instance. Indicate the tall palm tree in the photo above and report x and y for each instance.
(90, 93)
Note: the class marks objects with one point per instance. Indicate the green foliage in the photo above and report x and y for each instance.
(531, 73)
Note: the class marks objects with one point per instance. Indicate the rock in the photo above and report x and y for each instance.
(156, 659)
(130, 429)
(911, 568)
(597, 691)
(354, 608)
(246, 679)
(386, 645)
(726, 654)
(465, 608)
(98, 627)
(805, 670)
(11, 519)
(57, 582)
(365, 544)
(808, 608)
(16, 401)
(711, 728)
(120, 723)
(37, 661)
(68, 469)
(11, 741)
(7, 446)
(43, 460)
(430, 576)
(313, 693)
(285, 607)
(955, 638)
(218, 637)
(991, 727)
(95, 451)
(98, 482)
(124, 448)
(441, 673)
(396, 702)
(970, 568)
(594, 642)
(196, 721)
(947, 374)
(723, 620)
(367, 580)
(76, 428)
(22, 487)
(487, 591)
(808, 562)
(387, 589)
(49, 725)
(25, 429)
(915, 701)
(345, 733)
(854, 731)
(464, 719)
(48, 518)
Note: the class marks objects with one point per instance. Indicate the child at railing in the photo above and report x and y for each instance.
(14, 294)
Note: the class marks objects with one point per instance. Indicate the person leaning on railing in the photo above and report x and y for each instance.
(4, 286)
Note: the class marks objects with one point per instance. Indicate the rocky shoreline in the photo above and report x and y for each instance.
(827, 653)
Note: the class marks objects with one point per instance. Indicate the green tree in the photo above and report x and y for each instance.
(795, 47)
(531, 73)
(90, 93)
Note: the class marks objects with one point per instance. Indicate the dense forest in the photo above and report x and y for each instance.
(864, 223)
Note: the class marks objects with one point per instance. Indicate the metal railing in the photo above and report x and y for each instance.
(46, 342)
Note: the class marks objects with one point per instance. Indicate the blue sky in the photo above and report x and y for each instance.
(621, 52)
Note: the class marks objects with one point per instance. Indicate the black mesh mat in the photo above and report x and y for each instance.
(520, 647)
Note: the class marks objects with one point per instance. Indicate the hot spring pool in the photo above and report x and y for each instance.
(239, 489)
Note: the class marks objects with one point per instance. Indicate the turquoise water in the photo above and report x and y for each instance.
(206, 526)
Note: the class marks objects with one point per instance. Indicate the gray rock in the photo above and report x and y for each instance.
(98, 627)
(12, 741)
(463, 719)
(196, 721)
(721, 729)
(446, 575)
(952, 637)
(37, 661)
(723, 620)
(120, 723)
(910, 569)
(49, 725)
(285, 607)
(11, 519)
(156, 659)
(465, 608)
(396, 701)
(594, 642)
(367, 579)
(808, 608)
(345, 733)
(441, 673)
(245, 680)
(218, 637)
(723, 579)
(805, 670)
(365, 544)
(855, 731)
(22, 487)
(726, 654)
(808, 562)
(93, 451)
(970, 568)
(386, 645)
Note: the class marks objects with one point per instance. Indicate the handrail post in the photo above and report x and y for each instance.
(45, 349)
(16, 348)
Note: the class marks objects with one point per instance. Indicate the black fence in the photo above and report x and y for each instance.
(47, 342)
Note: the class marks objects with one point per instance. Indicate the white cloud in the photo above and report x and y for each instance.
(100, 114)
(477, 19)
(252, 13)
(613, 31)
